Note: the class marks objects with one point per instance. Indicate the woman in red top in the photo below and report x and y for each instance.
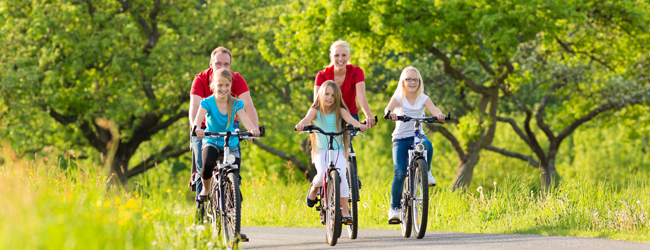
(349, 77)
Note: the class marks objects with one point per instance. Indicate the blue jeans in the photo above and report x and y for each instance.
(356, 116)
(400, 161)
(197, 148)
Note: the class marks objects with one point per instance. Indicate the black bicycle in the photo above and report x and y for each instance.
(353, 180)
(329, 195)
(415, 195)
(223, 208)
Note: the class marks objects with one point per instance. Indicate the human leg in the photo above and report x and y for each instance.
(340, 163)
(210, 158)
(400, 163)
(429, 147)
(198, 160)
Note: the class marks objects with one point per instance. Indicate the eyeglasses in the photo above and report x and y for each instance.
(412, 80)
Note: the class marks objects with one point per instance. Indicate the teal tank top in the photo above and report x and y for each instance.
(328, 124)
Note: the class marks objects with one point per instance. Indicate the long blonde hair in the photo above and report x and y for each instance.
(400, 92)
(336, 108)
(225, 73)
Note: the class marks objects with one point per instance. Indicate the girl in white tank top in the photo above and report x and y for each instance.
(409, 100)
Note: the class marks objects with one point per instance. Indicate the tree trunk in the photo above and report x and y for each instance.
(466, 168)
(549, 172)
(119, 167)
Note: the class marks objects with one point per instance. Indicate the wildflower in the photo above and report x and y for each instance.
(479, 189)
(495, 183)
(200, 228)
(638, 202)
(169, 190)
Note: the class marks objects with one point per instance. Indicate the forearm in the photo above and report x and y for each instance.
(195, 103)
(252, 115)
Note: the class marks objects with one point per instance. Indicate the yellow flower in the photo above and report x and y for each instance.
(130, 204)
(122, 222)
(117, 200)
(169, 190)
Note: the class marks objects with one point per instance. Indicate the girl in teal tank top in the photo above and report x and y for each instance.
(330, 114)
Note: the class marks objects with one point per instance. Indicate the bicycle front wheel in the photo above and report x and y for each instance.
(231, 222)
(333, 208)
(353, 182)
(405, 213)
(420, 205)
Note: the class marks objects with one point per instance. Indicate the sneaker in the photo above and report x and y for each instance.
(393, 214)
(432, 181)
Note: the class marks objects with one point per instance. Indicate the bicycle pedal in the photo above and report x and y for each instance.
(432, 185)
(394, 221)
(318, 208)
(244, 239)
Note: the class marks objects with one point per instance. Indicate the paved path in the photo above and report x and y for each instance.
(314, 238)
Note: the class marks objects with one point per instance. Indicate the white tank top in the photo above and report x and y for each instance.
(407, 129)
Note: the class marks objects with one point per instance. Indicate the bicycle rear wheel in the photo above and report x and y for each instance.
(333, 208)
(420, 205)
(353, 182)
(231, 222)
(405, 213)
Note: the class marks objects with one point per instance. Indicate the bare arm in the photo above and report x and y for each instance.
(434, 110)
(311, 115)
(391, 107)
(316, 88)
(250, 108)
(347, 117)
(363, 102)
(248, 124)
(197, 122)
(195, 103)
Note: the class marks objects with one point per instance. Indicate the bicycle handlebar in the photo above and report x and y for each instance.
(241, 134)
(311, 128)
(432, 119)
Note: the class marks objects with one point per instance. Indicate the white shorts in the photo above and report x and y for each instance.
(340, 162)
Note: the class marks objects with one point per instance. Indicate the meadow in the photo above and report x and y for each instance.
(49, 207)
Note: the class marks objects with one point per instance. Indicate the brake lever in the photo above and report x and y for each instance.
(305, 132)
(359, 133)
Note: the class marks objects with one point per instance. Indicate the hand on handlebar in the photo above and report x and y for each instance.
(200, 133)
(255, 132)
(364, 127)
(441, 117)
(392, 117)
(299, 127)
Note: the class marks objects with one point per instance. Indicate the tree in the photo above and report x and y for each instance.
(593, 68)
(459, 35)
(87, 62)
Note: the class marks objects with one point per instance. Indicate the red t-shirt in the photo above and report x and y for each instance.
(353, 75)
(201, 85)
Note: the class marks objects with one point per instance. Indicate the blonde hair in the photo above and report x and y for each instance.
(225, 73)
(336, 106)
(401, 90)
(339, 43)
(220, 49)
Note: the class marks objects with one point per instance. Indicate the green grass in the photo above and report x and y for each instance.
(45, 207)
(576, 208)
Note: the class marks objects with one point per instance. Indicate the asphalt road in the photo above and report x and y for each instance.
(314, 238)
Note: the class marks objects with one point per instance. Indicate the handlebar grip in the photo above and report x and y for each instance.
(262, 130)
(386, 115)
(448, 118)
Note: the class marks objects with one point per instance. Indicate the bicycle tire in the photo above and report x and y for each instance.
(420, 205)
(231, 222)
(333, 208)
(212, 208)
(405, 213)
(353, 182)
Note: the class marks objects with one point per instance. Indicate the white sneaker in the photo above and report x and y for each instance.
(393, 214)
(432, 181)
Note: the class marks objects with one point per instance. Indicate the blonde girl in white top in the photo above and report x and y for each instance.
(409, 99)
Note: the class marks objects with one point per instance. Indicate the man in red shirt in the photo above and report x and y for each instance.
(220, 58)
